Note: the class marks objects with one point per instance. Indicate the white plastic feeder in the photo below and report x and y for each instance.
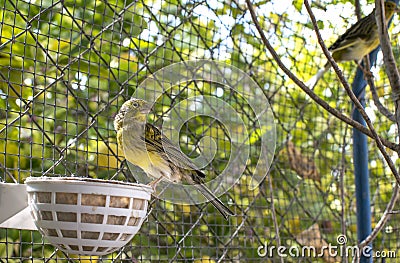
(87, 216)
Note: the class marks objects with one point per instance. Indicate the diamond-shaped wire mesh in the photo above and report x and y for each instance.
(67, 66)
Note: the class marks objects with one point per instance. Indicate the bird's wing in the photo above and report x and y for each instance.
(358, 31)
(160, 143)
(349, 42)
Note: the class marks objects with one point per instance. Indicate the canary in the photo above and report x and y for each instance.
(358, 41)
(144, 145)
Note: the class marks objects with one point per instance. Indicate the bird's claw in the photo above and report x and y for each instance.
(153, 184)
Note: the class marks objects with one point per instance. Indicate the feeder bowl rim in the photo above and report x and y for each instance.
(93, 181)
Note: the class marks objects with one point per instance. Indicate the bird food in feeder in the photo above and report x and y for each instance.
(87, 216)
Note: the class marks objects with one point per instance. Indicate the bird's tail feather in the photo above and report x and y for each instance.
(221, 207)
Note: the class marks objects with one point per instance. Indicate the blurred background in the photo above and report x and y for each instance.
(67, 66)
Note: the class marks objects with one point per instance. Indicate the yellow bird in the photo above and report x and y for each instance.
(358, 41)
(143, 146)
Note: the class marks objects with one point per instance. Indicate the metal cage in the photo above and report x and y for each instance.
(67, 66)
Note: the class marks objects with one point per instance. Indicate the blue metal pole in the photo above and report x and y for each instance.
(360, 157)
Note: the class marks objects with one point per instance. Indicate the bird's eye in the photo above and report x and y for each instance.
(135, 104)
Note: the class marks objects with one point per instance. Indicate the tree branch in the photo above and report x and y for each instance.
(356, 102)
(371, 131)
(394, 79)
(382, 109)
(358, 9)
(388, 58)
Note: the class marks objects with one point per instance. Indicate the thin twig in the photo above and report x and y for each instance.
(355, 100)
(392, 202)
(308, 91)
(381, 108)
(353, 97)
(370, 80)
(371, 131)
(388, 58)
(394, 79)
(382, 221)
(358, 9)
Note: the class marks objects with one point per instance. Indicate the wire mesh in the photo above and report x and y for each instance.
(67, 66)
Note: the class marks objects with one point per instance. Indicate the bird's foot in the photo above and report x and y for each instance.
(153, 184)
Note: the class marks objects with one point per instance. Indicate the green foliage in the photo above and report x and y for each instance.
(67, 67)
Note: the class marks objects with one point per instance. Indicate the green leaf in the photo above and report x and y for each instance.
(298, 4)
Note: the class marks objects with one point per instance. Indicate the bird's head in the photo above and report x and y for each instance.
(390, 9)
(135, 109)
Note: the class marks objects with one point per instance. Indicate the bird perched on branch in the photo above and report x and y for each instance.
(358, 41)
(144, 146)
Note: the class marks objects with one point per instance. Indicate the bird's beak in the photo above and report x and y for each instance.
(146, 108)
